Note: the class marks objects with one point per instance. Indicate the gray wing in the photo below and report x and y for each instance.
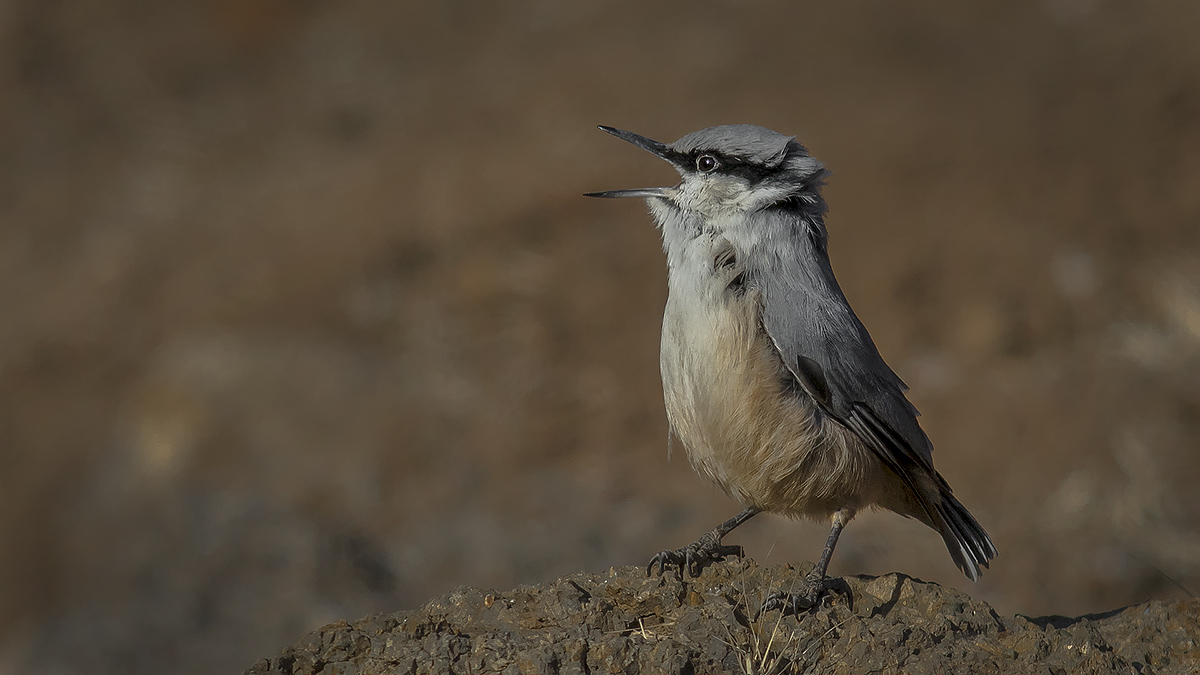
(830, 353)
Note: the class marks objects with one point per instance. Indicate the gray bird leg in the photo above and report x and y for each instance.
(816, 583)
(694, 557)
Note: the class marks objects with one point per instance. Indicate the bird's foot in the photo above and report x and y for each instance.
(812, 591)
(693, 558)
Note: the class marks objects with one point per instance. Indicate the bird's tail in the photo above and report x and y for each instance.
(969, 545)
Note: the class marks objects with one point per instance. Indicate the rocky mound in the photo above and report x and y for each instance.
(623, 622)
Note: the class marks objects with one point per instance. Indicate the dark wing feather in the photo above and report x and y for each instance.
(829, 352)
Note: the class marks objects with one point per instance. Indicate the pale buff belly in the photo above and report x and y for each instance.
(764, 445)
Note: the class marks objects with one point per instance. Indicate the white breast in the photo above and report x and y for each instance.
(714, 381)
(726, 400)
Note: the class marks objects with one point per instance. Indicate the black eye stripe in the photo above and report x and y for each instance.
(752, 173)
(729, 165)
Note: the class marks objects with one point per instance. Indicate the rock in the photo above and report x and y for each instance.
(625, 622)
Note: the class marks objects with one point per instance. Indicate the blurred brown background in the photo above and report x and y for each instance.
(302, 315)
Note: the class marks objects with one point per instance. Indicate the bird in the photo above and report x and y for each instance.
(770, 380)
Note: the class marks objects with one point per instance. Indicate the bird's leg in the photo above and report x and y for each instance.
(707, 549)
(816, 583)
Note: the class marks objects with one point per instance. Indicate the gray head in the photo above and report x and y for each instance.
(730, 169)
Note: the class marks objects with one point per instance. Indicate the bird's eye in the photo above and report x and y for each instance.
(706, 163)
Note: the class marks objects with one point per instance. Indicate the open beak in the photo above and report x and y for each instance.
(633, 192)
(657, 148)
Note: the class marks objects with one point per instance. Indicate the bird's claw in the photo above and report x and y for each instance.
(693, 558)
(813, 591)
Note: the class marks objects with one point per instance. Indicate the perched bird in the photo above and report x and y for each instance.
(770, 380)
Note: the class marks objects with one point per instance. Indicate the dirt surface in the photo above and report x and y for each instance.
(624, 622)
(303, 317)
